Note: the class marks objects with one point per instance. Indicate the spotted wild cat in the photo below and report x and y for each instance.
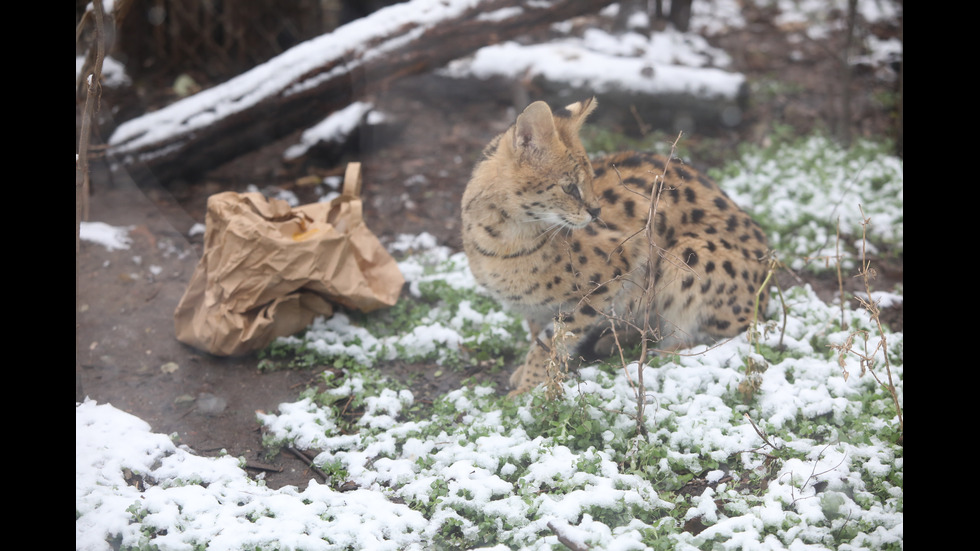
(549, 232)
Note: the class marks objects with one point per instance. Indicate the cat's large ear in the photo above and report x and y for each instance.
(535, 129)
(580, 110)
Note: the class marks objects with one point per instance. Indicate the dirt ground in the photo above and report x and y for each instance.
(126, 353)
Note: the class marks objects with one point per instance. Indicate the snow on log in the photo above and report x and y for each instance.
(320, 76)
(631, 69)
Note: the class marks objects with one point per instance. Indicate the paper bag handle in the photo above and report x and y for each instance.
(352, 181)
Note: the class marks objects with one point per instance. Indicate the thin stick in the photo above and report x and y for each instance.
(91, 98)
(840, 280)
(649, 291)
(309, 463)
(758, 431)
(872, 307)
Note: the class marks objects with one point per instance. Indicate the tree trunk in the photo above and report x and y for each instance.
(680, 14)
(308, 82)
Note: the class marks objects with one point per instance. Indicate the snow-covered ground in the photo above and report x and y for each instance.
(490, 474)
(513, 474)
(483, 472)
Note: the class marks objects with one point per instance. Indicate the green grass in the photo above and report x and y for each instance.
(806, 191)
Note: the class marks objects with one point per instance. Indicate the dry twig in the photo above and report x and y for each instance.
(866, 357)
(309, 463)
(93, 92)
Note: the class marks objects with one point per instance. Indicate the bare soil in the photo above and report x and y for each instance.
(126, 353)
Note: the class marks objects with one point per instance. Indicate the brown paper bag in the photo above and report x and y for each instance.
(269, 269)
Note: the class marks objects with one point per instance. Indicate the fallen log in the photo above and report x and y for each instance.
(311, 80)
(635, 89)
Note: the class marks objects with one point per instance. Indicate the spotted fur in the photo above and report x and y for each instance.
(550, 233)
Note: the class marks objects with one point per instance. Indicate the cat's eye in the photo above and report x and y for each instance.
(572, 190)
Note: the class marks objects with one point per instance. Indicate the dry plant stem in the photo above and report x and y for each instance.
(641, 395)
(91, 99)
(782, 302)
(840, 280)
(619, 347)
(649, 290)
(866, 357)
(262, 467)
(774, 264)
(758, 431)
(309, 463)
(872, 307)
(753, 335)
(813, 476)
(558, 359)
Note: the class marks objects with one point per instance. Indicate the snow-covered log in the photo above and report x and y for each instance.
(639, 80)
(311, 80)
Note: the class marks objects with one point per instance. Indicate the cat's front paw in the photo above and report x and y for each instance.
(533, 372)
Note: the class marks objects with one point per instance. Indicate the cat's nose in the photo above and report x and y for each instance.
(594, 211)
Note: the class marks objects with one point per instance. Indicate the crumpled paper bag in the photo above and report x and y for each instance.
(269, 269)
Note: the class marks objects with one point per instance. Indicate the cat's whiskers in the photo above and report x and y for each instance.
(554, 230)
